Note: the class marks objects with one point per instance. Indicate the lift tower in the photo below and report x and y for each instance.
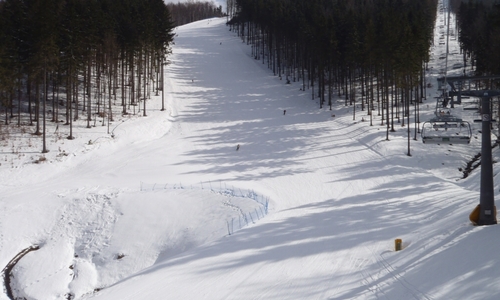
(487, 213)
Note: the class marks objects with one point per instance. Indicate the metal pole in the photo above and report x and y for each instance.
(487, 196)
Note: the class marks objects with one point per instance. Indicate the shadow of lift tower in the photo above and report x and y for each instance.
(485, 212)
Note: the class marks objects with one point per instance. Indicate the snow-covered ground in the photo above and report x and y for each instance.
(147, 214)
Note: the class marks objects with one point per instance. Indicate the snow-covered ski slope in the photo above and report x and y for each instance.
(339, 197)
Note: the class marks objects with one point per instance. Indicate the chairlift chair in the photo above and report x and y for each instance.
(446, 129)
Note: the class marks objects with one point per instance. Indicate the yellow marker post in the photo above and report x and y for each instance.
(398, 244)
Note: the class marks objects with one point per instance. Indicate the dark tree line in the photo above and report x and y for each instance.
(372, 52)
(479, 34)
(80, 56)
(191, 11)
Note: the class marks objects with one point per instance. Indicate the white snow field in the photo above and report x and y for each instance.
(156, 211)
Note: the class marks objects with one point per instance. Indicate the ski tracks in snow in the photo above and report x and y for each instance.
(82, 231)
(352, 260)
(96, 228)
(400, 278)
(388, 275)
(356, 132)
(360, 259)
(86, 220)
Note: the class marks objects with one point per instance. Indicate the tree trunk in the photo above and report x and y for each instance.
(45, 88)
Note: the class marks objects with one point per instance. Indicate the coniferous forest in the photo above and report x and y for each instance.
(372, 53)
(80, 56)
(479, 25)
(191, 11)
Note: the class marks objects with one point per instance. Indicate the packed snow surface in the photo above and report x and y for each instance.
(309, 206)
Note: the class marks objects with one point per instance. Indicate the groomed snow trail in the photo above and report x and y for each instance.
(340, 193)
